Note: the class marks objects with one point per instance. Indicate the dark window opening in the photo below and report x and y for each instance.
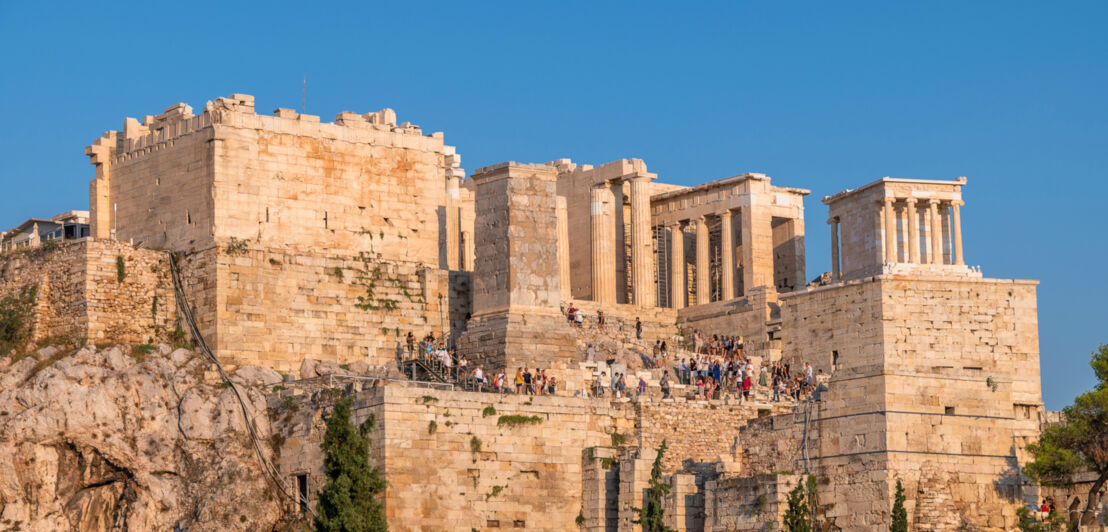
(325, 219)
(267, 214)
(834, 359)
(949, 411)
(188, 217)
(302, 489)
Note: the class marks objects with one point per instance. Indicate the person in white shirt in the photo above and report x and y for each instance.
(479, 376)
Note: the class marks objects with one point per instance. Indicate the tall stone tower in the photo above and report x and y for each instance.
(516, 280)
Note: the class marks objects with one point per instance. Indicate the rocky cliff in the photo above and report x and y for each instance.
(136, 438)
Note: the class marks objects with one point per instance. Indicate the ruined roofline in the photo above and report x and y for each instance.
(719, 183)
(827, 200)
(512, 164)
(610, 170)
(178, 120)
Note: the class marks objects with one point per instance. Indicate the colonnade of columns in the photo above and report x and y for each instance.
(938, 240)
(606, 201)
(678, 260)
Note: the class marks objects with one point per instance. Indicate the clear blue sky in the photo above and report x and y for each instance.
(825, 96)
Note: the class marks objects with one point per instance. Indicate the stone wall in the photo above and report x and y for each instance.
(157, 187)
(80, 294)
(275, 307)
(516, 287)
(717, 425)
(928, 379)
(184, 182)
(528, 473)
(453, 464)
(747, 503)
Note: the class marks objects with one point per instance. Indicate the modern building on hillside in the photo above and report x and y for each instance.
(68, 225)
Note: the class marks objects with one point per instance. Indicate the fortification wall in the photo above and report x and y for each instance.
(80, 294)
(927, 382)
(283, 182)
(747, 503)
(160, 191)
(276, 307)
(529, 473)
(718, 426)
(184, 182)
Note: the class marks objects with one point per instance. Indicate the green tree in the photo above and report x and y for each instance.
(349, 500)
(1080, 440)
(900, 515)
(651, 514)
(796, 515)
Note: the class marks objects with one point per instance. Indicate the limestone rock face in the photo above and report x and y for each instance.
(105, 440)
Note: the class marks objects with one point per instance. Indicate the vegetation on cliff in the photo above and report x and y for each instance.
(1080, 441)
(15, 316)
(349, 500)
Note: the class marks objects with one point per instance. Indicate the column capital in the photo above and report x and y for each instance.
(675, 225)
(889, 200)
(833, 220)
(637, 178)
(957, 203)
(933, 201)
(911, 200)
(724, 212)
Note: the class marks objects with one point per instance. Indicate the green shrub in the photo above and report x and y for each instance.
(140, 351)
(517, 420)
(432, 427)
(15, 319)
(488, 411)
(618, 439)
(475, 444)
(120, 268)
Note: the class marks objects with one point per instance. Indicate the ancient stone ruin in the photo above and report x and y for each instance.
(309, 247)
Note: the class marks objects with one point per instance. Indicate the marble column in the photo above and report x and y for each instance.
(703, 262)
(727, 249)
(957, 233)
(935, 254)
(677, 291)
(563, 247)
(944, 223)
(913, 232)
(643, 291)
(452, 223)
(835, 269)
(618, 217)
(890, 231)
(603, 245)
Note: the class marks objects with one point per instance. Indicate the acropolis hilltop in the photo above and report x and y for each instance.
(311, 249)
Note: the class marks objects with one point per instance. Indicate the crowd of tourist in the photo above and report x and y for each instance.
(716, 366)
